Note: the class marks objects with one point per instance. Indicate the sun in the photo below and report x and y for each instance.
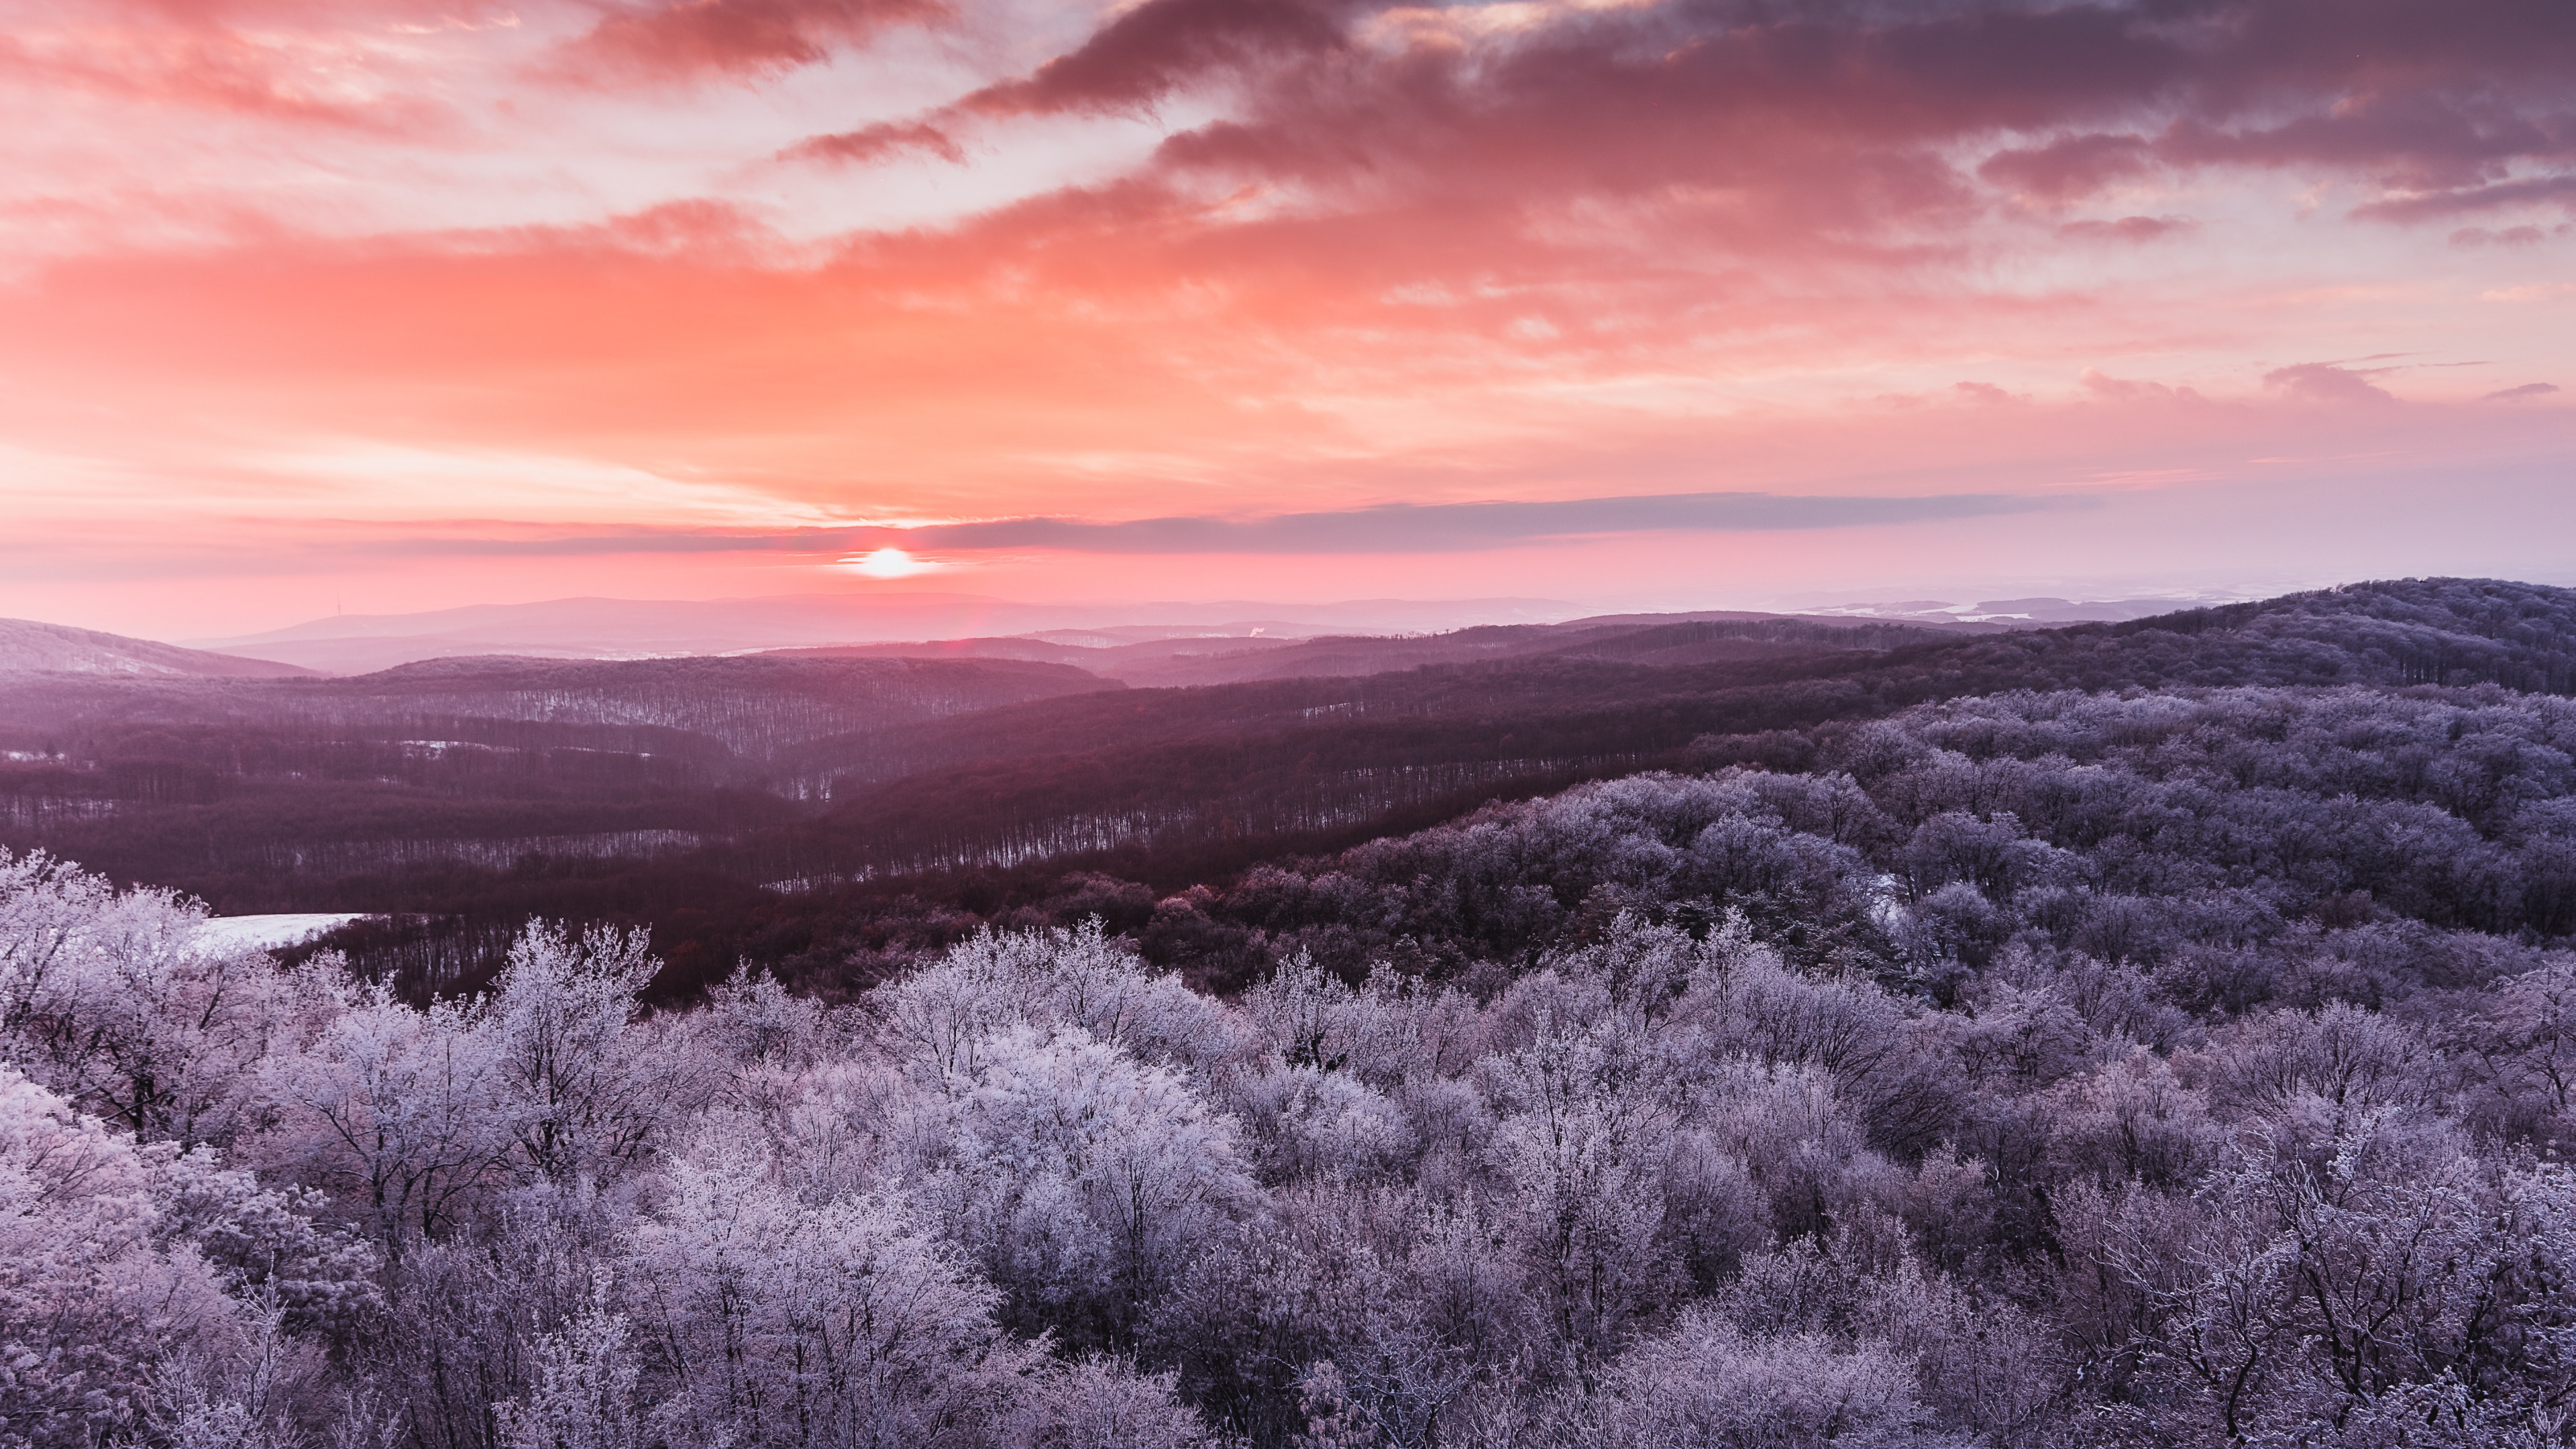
(888, 563)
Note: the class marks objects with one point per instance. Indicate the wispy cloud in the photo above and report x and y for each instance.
(1436, 528)
(1387, 529)
(688, 39)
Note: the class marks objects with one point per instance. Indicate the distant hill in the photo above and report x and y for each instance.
(2025, 612)
(742, 706)
(1177, 770)
(1237, 658)
(242, 789)
(28, 646)
(677, 791)
(646, 628)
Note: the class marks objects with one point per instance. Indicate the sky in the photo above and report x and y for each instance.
(373, 306)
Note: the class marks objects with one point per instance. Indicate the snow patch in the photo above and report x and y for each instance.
(266, 933)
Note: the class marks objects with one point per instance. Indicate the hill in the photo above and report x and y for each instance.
(1235, 656)
(749, 706)
(648, 628)
(750, 804)
(1314, 758)
(27, 646)
(263, 790)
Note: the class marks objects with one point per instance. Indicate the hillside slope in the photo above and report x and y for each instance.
(751, 706)
(578, 789)
(1236, 658)
(27, 646)
(1313, 758)
(614, 629)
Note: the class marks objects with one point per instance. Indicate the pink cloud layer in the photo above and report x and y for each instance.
(288, 282)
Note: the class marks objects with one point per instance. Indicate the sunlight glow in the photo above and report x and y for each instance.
(889, 563)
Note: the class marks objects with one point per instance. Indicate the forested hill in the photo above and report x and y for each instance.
(2108, 1038)
(753, 804)
(1662, 639)
(749, 705)
(1319, 758)
(2449, 632)
(2413, 631)
(27, 646)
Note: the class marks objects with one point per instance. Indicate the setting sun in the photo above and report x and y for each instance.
(888, 563)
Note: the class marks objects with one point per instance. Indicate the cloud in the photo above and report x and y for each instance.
(1386, 529)
(1444, 527)
(2422, 140)
(686, 39)
(2128, 229)
(1823, 135)
(2071, 168)
(2528, 389)
(2325, 382)
(2559, 190)
(1380, 251)
(2106, 388)
(2512, 236)
(876, 143)
(1141, 56)
(1154, 48)
(318, 69)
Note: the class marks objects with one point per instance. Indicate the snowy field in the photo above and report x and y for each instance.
(225, 933)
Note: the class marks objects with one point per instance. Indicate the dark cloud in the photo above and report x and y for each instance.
(1136, 60)
(2528, 389)
(1161, 45)
(1839, 118)
(2420, 141)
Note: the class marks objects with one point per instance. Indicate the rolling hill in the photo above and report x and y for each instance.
(593, 628)
(27, 646)
(748, 803)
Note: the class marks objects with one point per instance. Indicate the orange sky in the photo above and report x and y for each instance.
(401, 305)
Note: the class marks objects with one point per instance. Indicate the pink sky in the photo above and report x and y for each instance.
(401, 305)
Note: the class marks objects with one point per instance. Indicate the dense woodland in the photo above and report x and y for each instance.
(2129, 1035)
(781, 809)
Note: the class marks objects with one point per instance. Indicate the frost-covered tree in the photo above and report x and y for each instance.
(115, 1000)
(403, 1110)
(95, 1299)
(582, 1086)
(938, 1020)
(772, 1323)
(1081, 1178)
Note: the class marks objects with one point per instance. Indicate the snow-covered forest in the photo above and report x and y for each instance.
(2043, 1069)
